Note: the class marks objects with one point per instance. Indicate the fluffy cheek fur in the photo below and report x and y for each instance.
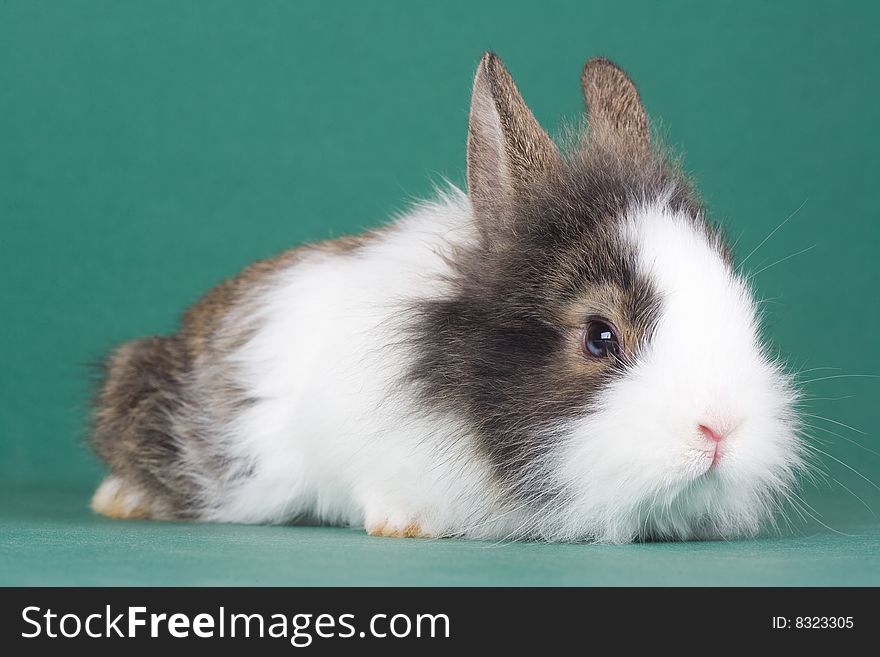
(645, 473)
(637, 465)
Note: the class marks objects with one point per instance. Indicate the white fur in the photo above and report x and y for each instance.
(330, 438)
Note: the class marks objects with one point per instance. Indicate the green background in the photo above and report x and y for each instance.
(150, 149)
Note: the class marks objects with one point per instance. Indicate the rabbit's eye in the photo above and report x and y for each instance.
(600, 339)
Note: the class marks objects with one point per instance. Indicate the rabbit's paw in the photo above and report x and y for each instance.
(395, 528)
(115, 499)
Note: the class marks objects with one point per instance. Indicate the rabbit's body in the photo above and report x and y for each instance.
(564, 353)
(284, 402)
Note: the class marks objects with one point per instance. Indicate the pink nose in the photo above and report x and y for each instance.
(710, 433)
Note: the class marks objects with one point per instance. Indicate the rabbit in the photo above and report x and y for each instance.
(564, 353)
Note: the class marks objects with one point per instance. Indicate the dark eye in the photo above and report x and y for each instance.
(600, 339)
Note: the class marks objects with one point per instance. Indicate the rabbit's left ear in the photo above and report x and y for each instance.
(507, 150)
(617, 119)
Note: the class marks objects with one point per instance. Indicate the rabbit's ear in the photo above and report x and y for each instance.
(617, 119)
(507, 150)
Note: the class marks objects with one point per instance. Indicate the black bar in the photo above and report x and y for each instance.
(532, 619)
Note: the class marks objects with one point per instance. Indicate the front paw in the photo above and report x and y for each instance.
(390, 529)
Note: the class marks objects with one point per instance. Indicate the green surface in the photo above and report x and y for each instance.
(50, 538)
(148, 150)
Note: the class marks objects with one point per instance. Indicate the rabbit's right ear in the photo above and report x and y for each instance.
(507, 151)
